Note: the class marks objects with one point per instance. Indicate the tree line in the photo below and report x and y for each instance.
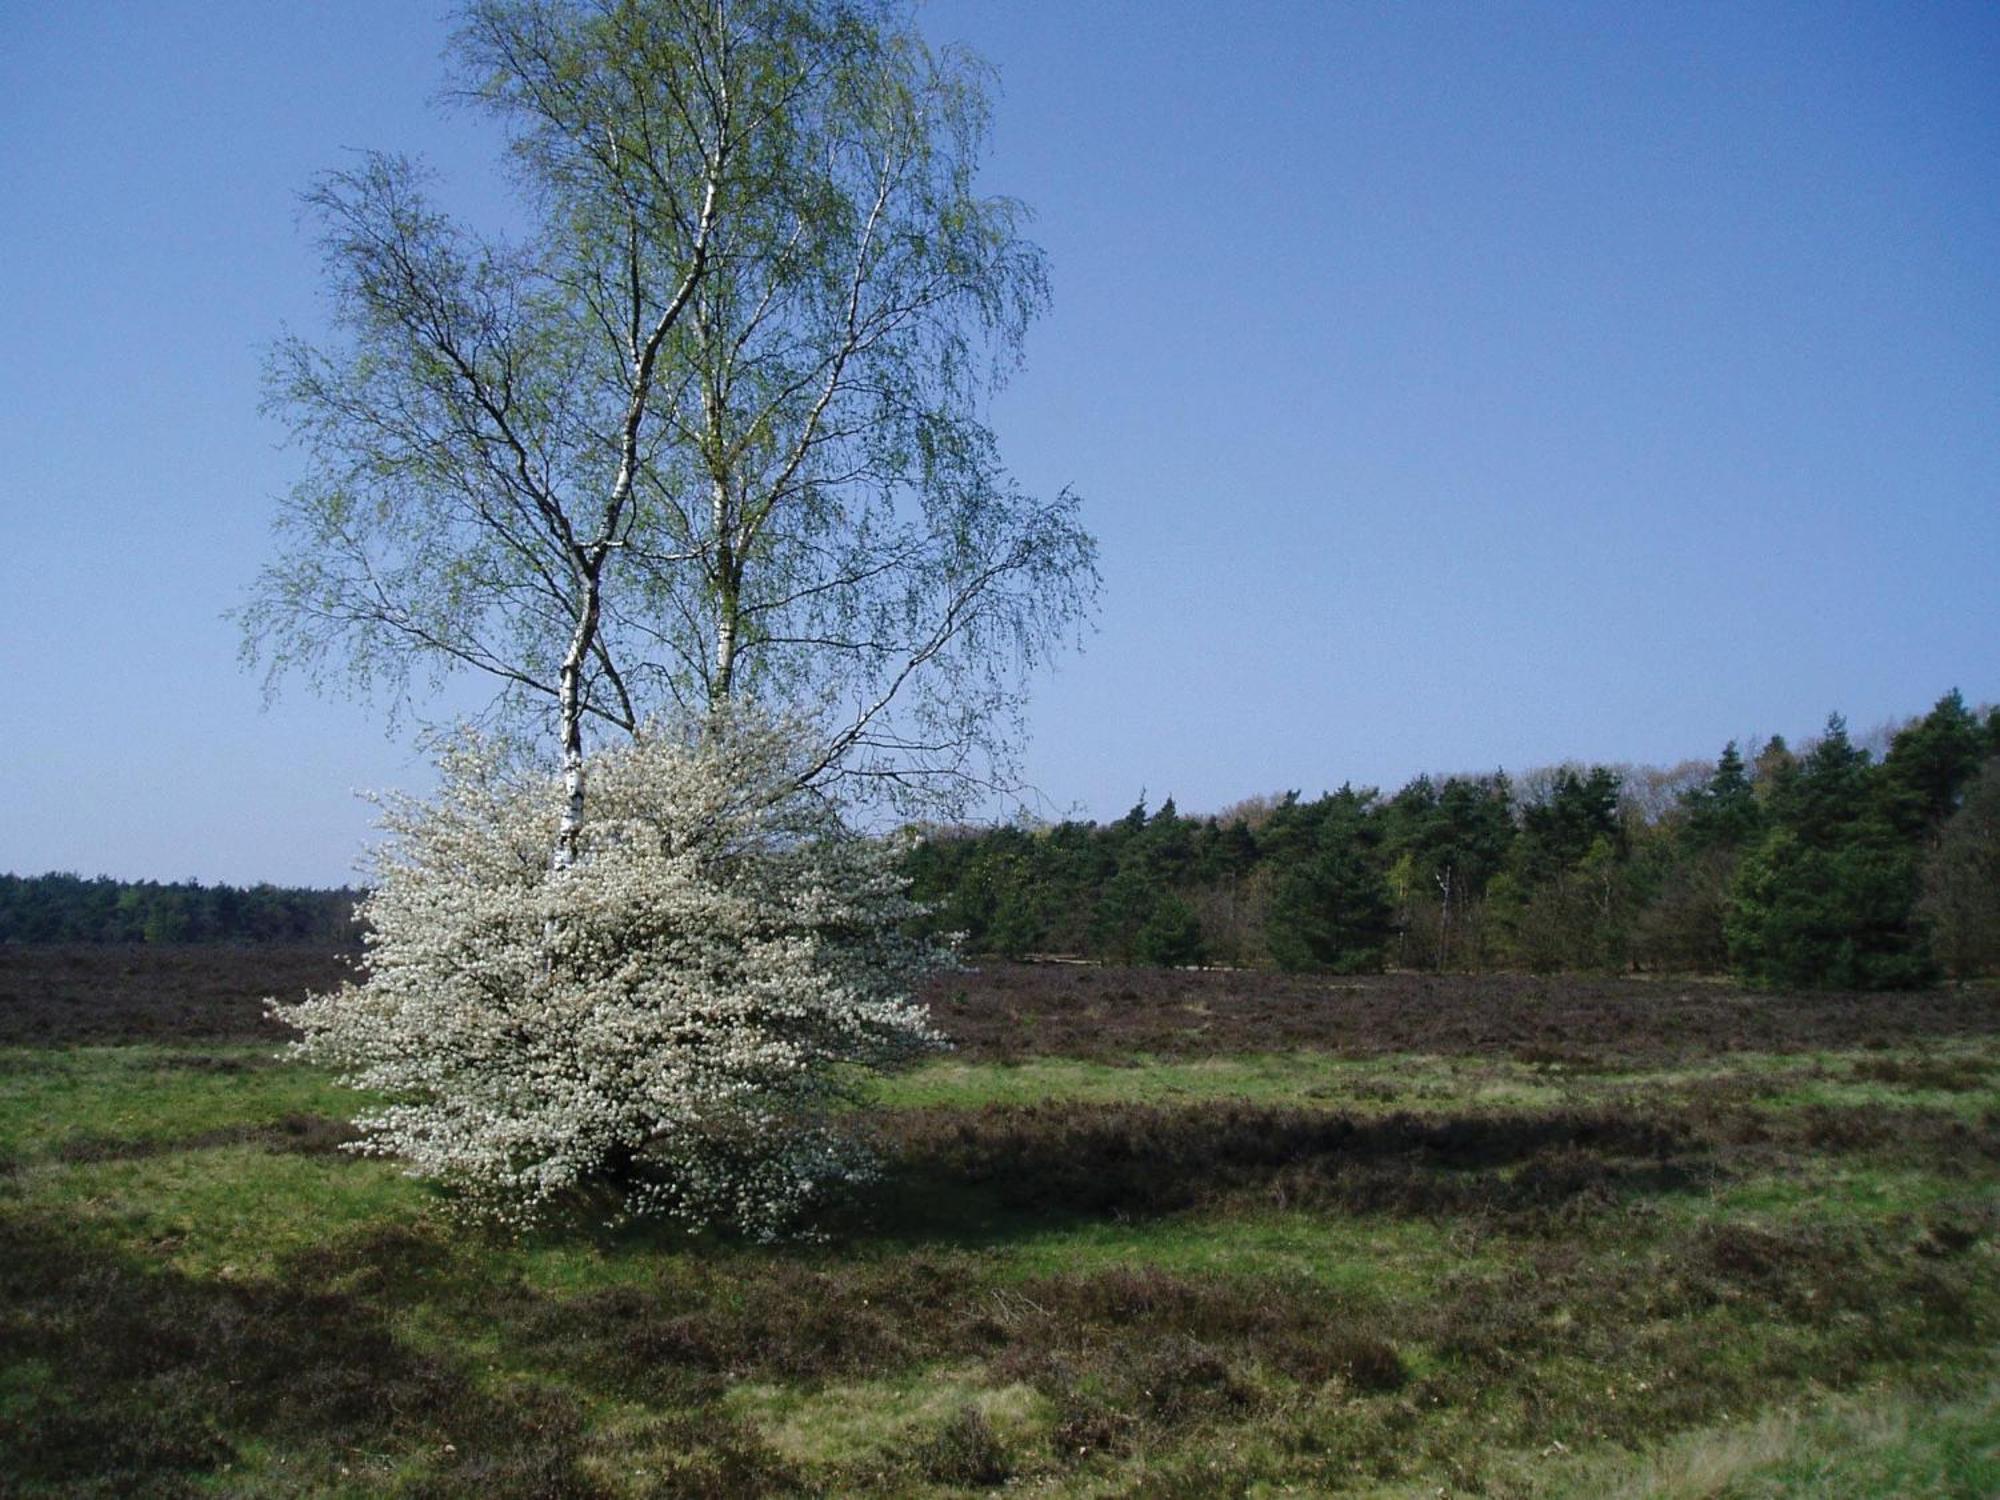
(1825, 865)
(65, 908)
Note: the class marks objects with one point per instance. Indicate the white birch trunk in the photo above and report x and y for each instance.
(725, 655)
(728, 583)
(569, 832)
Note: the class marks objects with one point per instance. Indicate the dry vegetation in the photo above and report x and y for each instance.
(1146, 1234)
(1002, 1012)
(112, 993)
(1007, 1012)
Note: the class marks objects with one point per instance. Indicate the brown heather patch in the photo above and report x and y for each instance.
(1007, 1012)
(1119, 1354)
(1555, 1173)
(1952, 1075)
(63, 995)
(57, 996)
(1731, 1117)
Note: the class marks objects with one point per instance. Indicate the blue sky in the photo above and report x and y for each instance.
(1450, 387)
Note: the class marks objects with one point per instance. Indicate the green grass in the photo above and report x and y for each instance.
(867, 1422)
(1794, 1290)
(233, 1210)
(129, 1094)
(1429, 1084)
(1879, 1444)
(1390, 1258)
(1304, 1078)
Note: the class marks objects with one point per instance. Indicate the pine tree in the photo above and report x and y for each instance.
(1827, 896)
(1331, 909)
(1171, 936)
(1929, 765)
(1724, 812)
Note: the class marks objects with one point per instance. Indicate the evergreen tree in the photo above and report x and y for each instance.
(1171, 937)
(1167, 845)
(1773, 769)
(1560, 831)
(1828, 793)
(1123, 907)
(1331, 908)
(1723, 813)
(1827, 896)
(1930, 763)
(64, 908)
(1072, 867)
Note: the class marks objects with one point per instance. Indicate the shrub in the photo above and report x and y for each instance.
(669, 1017)
(965, 1451)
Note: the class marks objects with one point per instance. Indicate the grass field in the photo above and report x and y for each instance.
(1142, 1234)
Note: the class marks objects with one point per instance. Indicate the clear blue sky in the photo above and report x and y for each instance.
(1450, 386)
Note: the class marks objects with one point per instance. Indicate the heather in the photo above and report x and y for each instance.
(1142, 1233)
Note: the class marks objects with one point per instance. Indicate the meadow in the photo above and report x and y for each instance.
(1143, 1233)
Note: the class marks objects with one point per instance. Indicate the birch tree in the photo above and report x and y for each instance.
(710, 432)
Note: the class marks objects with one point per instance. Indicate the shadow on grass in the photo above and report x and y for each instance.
(126, 1378)
(1057, 1162)
(292, 1134)
(1141, 1358)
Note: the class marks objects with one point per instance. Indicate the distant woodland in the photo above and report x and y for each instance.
(1825, 865)
(70, 909)
(1821, 866)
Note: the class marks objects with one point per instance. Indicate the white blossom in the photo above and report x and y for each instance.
(672, 1017)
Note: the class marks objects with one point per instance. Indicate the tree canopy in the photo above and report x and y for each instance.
(710, 429)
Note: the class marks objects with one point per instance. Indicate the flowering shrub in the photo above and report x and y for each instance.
(669, 1016)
